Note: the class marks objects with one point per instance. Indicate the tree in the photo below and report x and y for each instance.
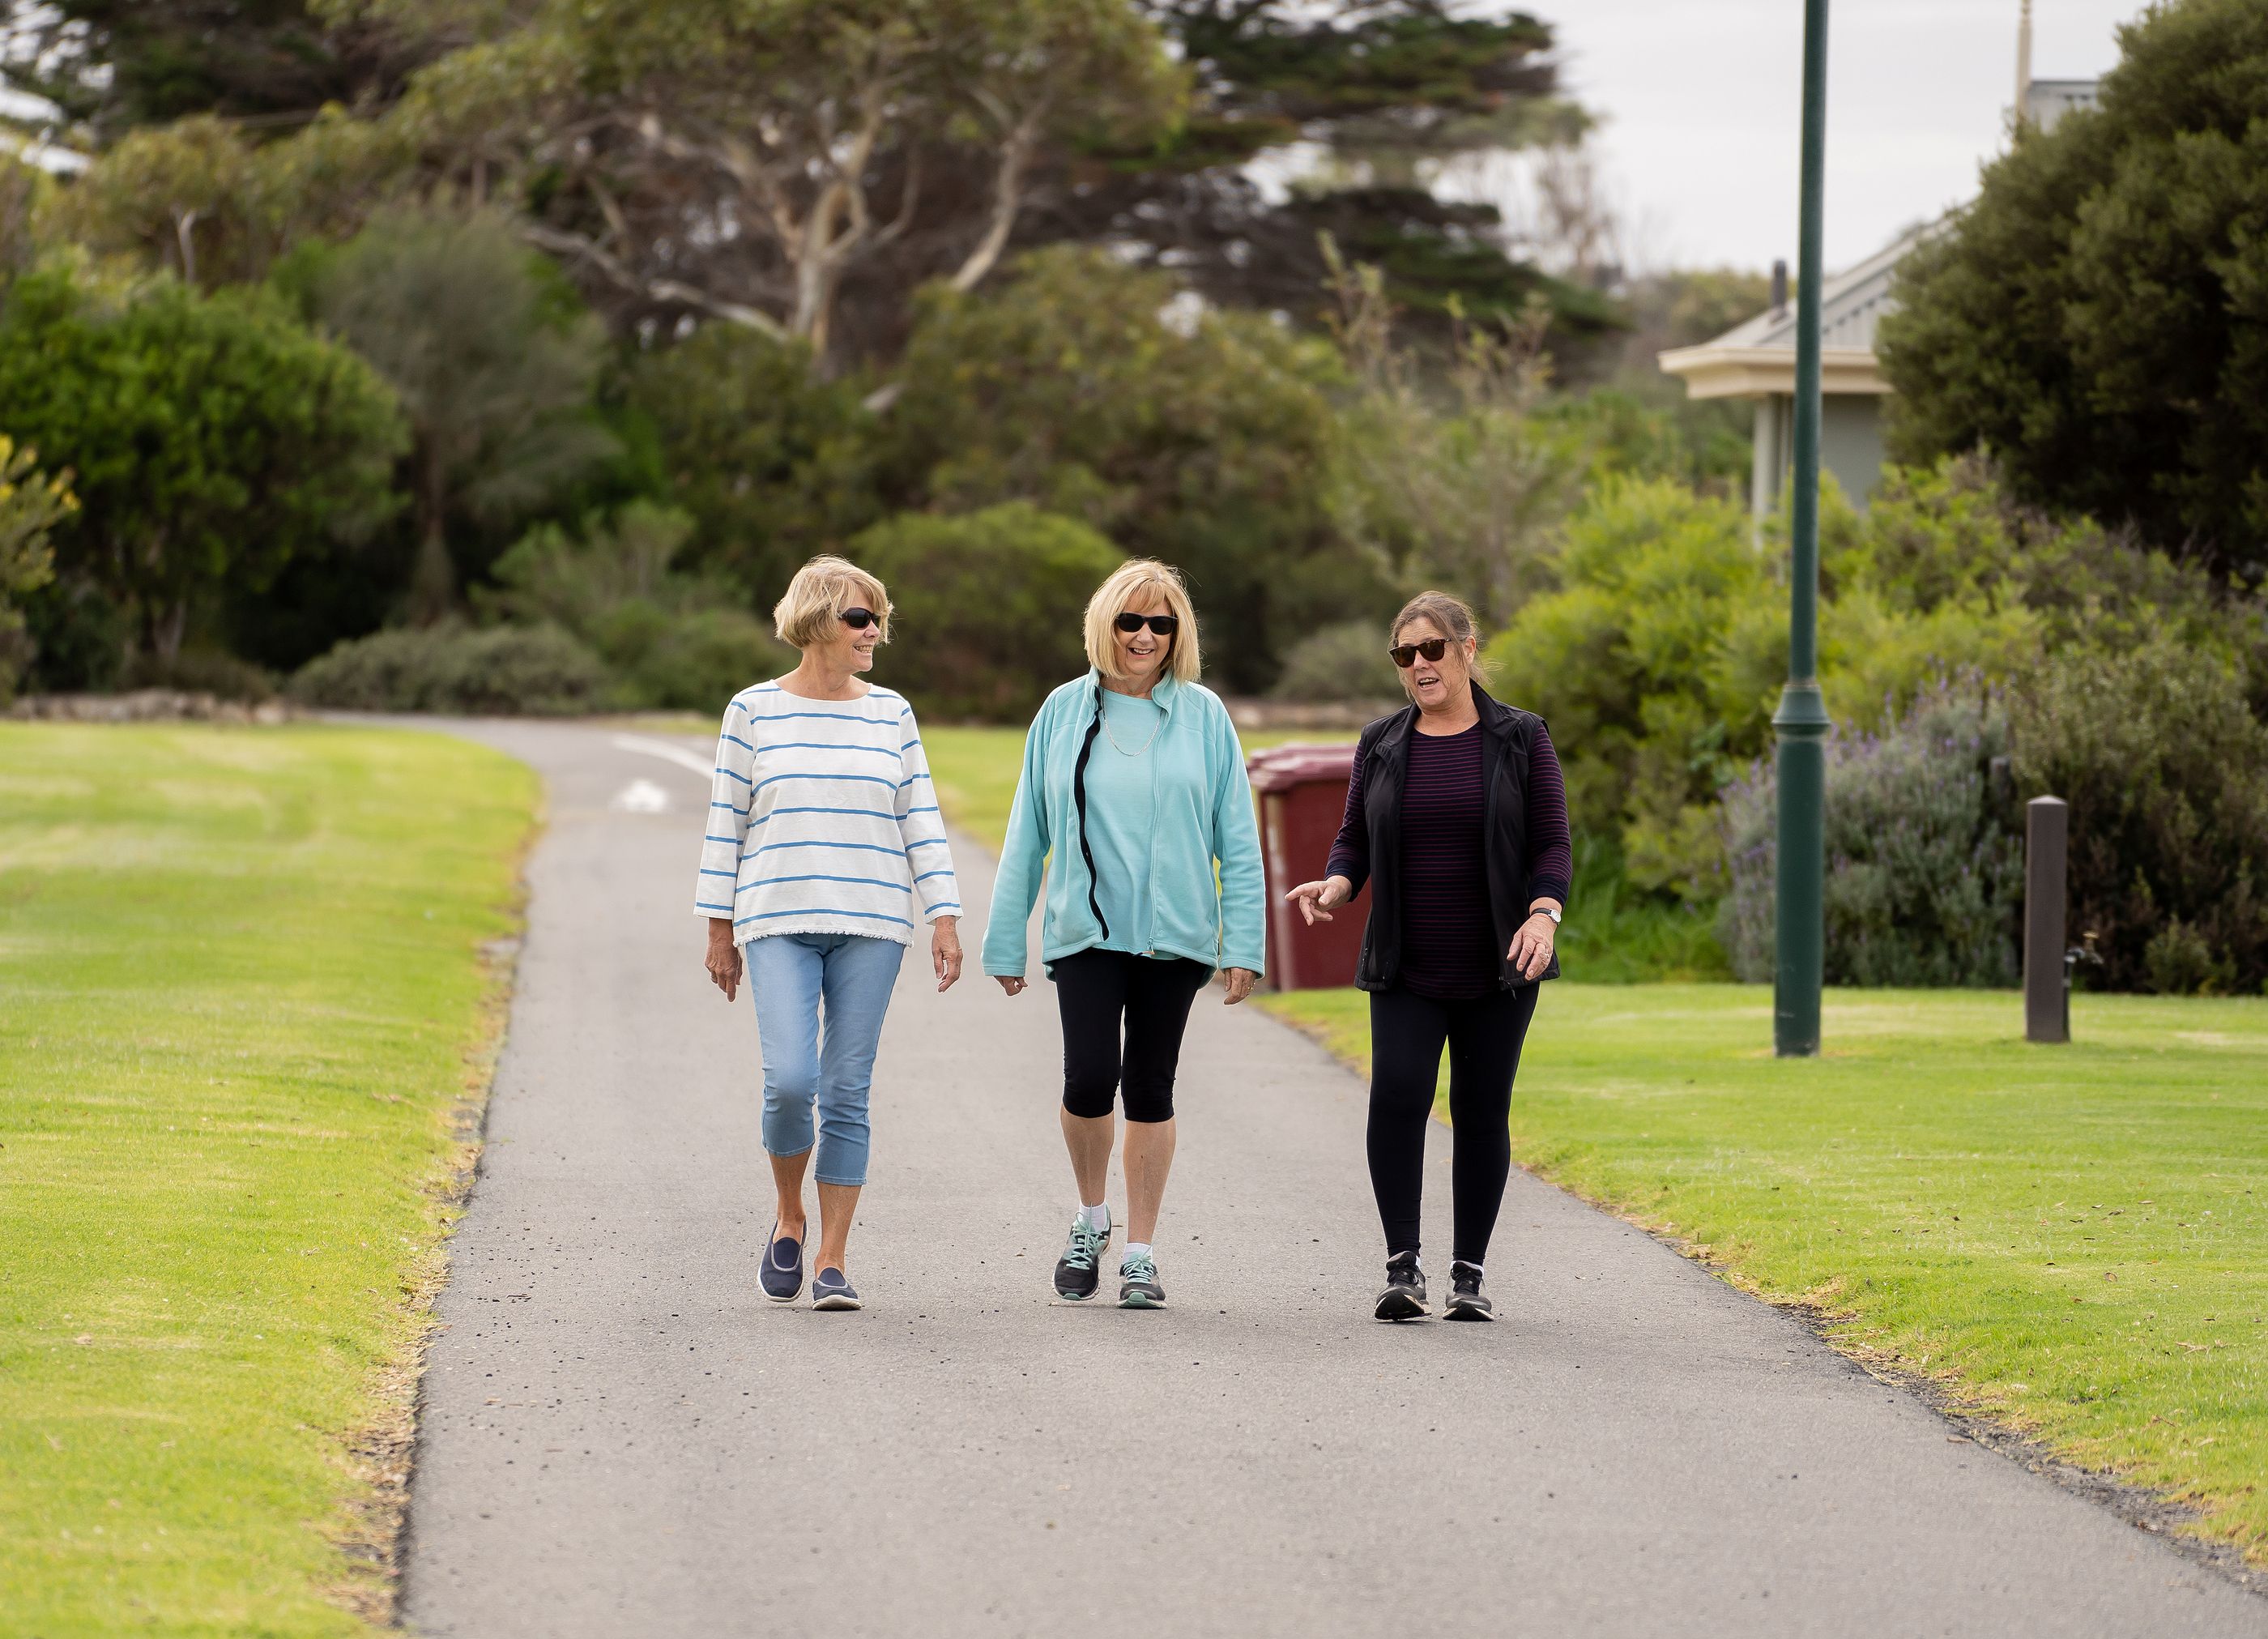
(987, 608)
(212, 438)
(121, 63)
(671, 640)
(2098, 319)
(1467, 496)
(203, 199)
(752, 162)
(1100, 392)
(493, 360)
(31, 505)
(1389, 91)
(774, 463)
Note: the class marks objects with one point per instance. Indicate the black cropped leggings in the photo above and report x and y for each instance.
(1097, 991)
(1484, 1037)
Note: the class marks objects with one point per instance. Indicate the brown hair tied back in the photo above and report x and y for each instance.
(1450, 616)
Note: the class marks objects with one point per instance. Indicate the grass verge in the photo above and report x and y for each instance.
(246, 1005)
(2071, 1240)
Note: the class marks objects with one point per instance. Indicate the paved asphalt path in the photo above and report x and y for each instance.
(621, 1437)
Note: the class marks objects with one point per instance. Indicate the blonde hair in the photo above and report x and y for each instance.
(821, 591)
(1451, 617)
(1121, 591)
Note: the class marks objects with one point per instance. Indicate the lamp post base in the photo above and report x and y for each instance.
(1800, 945)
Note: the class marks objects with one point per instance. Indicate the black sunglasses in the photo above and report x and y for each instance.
(1405, 654)
(859, 619)
(1164, 625)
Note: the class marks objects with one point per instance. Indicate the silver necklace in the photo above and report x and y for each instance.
(1102, 711)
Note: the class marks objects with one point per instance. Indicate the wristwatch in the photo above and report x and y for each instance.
(1544, 910)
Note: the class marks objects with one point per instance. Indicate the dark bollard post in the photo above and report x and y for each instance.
(2047, 837)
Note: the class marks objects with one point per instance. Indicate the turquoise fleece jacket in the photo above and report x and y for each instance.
(1202, 804)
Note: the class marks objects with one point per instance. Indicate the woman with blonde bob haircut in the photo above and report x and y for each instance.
(823, 838)
(1133, 784)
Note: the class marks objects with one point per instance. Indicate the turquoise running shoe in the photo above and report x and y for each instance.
(1075, 1270)
(1137, 1283)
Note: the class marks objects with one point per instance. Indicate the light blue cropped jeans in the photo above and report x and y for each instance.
(790, 975)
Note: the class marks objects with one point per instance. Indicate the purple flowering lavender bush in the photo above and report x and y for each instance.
(1925, 854)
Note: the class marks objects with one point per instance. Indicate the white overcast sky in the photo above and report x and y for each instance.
(1702, 100)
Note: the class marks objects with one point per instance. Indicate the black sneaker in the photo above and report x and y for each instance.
(1075, 1270)
(1466, 1300)
(1404, 1296)
(1137, 1283)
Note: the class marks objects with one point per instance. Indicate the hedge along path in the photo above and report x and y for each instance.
(253, 982)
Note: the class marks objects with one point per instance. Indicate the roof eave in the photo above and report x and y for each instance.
(1716, 371)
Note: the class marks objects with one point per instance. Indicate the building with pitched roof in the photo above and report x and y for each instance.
(1756, 361)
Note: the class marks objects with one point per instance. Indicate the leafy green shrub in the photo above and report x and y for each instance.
(1346, 661)
(1656, 664)
(1619, 934)
(1924, 866)
(79, 634)
(1658, 659)
(531, 671)
(2166, 769)
(1951, 536)
(674, 641)
(1202, 444)
(987, 608)
(31, 504)
(200, 671)
(2177, 961)
(212, 438)
(692, 661)
(773, 460)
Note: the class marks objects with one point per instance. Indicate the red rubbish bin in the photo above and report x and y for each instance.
(1302, 791)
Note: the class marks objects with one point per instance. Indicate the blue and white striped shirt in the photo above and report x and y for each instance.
(822, 819)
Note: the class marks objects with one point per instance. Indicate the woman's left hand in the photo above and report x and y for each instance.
(945, 950)
(1531, 946)
(1239, 982)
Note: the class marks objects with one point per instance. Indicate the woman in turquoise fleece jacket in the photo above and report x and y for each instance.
(1134, 806)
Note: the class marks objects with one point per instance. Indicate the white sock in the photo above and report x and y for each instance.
(1134, 1249)
(1097, 1219)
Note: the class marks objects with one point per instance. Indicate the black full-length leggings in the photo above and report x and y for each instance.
(1484, 1037)
(1098, 991)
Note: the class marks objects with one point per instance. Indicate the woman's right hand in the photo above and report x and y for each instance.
(724, 960)
(1010, 983)
(1317, 900)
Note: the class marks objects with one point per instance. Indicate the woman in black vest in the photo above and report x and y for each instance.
(1457, 817)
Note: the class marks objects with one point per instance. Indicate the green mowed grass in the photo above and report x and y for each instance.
(2073, 1239)
(241, 998)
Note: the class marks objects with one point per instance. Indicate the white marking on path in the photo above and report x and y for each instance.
(641, 796)
(678, 754)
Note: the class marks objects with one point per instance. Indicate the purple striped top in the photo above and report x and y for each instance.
(1448, 939)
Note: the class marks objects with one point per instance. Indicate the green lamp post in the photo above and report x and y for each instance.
(1800, 721)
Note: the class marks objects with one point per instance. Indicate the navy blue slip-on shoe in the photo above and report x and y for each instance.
(783, 1267)
(831, 1289)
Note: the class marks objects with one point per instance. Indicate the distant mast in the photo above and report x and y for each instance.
(2024, 67)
